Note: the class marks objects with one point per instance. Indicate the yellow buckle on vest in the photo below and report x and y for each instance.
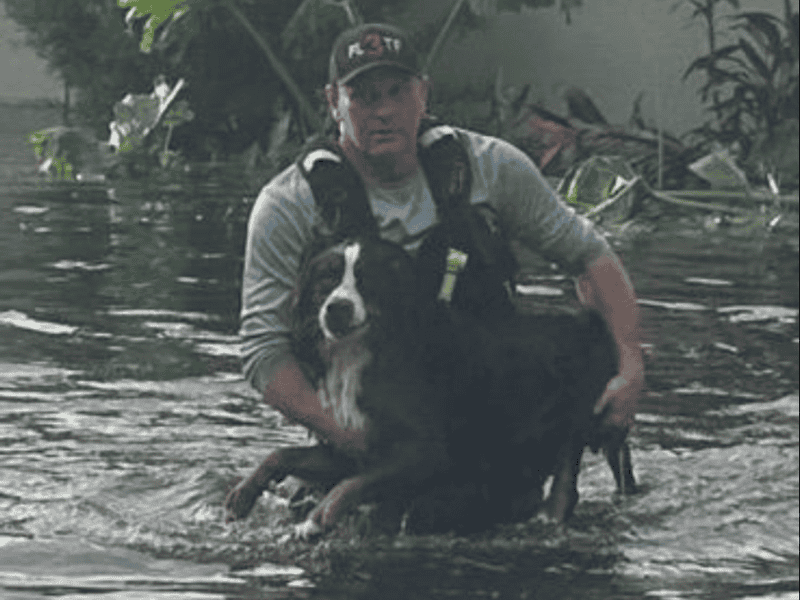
(456, 261)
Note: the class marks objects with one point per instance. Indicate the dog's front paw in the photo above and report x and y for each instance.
(307, 530)
(343, 496)
(321, 518)
(240, 500)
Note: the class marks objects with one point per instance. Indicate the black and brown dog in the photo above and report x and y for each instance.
(467, 419)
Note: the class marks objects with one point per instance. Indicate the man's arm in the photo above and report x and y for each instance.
(606, 287)
(278, 230)
(290, 393)
(538, 218)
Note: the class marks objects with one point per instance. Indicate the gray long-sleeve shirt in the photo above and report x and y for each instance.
(284, 214)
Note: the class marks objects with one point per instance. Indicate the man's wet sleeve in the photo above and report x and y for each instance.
(277, 232)
(535, 215)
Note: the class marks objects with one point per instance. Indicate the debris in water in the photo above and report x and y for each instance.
(31, 210)
(538, 290)
(15, 318)
(760, 313)
(672, 305)
(726, 347)
(707, 281)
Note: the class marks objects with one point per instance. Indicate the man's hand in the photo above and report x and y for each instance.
(621, 396)
(606, 287)
(291, 394)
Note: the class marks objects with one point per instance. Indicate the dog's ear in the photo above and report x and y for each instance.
(293, 306)
(297, 301)
(305, 335)
(305, 271)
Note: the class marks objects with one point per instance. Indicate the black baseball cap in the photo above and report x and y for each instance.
(368, 46)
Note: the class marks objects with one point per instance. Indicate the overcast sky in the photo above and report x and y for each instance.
(22, 73)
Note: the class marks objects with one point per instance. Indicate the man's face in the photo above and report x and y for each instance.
(379, 112)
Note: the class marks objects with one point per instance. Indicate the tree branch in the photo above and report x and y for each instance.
(442, 35)
(306, 110)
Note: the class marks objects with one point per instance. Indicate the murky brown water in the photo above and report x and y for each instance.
(123, 419)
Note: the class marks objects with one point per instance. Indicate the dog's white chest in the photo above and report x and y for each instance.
(341, 385)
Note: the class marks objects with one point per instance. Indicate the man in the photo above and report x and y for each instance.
(377, 98)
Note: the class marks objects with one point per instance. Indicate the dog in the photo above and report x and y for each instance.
(349, 335)
(466, 418)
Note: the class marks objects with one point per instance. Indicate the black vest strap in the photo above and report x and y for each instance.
(339, 192)
(446, 165)
(341, 198)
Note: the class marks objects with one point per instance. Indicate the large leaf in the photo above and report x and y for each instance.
(755, 60)
(707, 62)
(136, 115)
(763, 27)
(717, 77)
(159, 11)
(733, 102)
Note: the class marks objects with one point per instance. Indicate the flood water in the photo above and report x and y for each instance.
(124, 419)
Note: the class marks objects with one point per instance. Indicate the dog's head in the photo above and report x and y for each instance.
(350, 297)
(350, 288)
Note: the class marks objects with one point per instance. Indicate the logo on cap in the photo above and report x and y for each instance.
(373, 46)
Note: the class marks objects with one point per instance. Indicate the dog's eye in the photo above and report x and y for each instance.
(326, 283)
(324, 280)
(329, 272)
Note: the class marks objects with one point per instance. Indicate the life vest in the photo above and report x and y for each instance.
(468, 235)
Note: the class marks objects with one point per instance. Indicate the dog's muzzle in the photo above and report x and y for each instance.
(338, 317)
(343, 310)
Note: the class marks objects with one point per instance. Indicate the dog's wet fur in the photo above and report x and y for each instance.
(466, 418)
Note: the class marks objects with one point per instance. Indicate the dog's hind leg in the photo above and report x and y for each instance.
(618, 455)
(312, 463)
(564, 491)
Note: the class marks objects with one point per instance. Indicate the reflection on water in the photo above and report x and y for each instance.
(123, 421)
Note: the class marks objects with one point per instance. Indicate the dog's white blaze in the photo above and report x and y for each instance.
(342, 385)
(346, 290)
(341, 388)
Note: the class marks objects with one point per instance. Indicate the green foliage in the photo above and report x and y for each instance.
(38, 139)
(246, 62)
(69, 152)
(43, 142)
(180, 113)
(157, 12)
(274, 52)
(752, 85)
